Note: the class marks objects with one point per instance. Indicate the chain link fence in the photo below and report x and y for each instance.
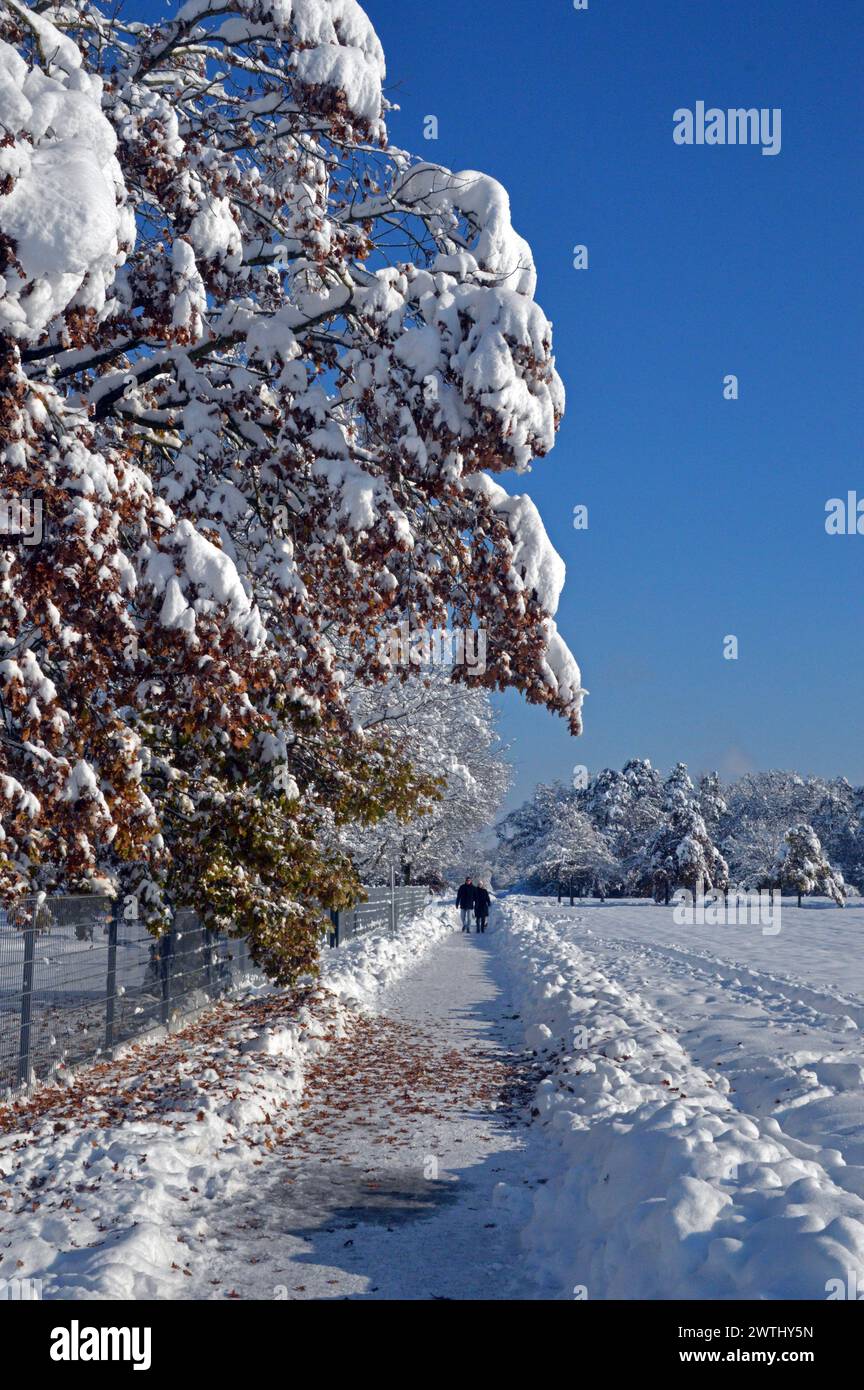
(77, 979)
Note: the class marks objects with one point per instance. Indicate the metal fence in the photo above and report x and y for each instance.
(384, 907)
(77, 979)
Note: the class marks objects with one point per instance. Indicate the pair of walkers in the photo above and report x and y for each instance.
(472, 900)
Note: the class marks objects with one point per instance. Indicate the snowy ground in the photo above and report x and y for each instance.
(781, 1015)
(697, 1126)
(387, 1188)
(706, 1109)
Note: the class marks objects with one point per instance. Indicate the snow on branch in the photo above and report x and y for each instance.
(259, 370)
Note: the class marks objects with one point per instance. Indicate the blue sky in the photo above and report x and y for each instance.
(706, 516)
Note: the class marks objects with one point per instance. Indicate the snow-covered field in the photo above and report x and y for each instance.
(705, 1113)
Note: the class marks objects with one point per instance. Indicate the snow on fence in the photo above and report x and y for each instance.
(76, 979)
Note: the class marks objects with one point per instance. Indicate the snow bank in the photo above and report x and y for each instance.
(358, 972)
(105, 1186)
(658, 1186)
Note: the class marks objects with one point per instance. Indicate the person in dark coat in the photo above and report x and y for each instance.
(481, 906)
(465, 902)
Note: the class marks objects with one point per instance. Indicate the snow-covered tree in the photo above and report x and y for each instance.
(681, 854)
(665, 834)
(625, 806)
(678, 790)
(801, 866)
(700, 865)
(839, 823)
(522, 832)
(606, 800)
(643, 810)
(550, 840)
(750, 851)
(258, 369)
(712, 804)
(445, 731)
(573, 850)
(760, 808)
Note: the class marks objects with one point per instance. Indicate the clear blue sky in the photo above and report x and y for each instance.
(706, 516)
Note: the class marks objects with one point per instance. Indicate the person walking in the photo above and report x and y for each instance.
(481, 906)
(465, 903)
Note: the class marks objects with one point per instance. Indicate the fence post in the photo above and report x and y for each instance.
(334, 934)
(166, 958)
(571, 890)
(208, 958)
(27, 997)
(111, 976)
(393, 910)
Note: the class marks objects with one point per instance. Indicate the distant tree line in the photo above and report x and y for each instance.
(635, 832)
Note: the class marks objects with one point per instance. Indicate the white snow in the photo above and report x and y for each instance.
(698, 1129)
(208, 575)
(214, 234)
(334, 44)
(705, 1132)
(539, 566)
(190, 305)
(362, 501)
(541, 572)
(66, 210)
(485, 203)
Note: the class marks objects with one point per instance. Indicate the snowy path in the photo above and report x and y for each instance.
(387, 1187)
